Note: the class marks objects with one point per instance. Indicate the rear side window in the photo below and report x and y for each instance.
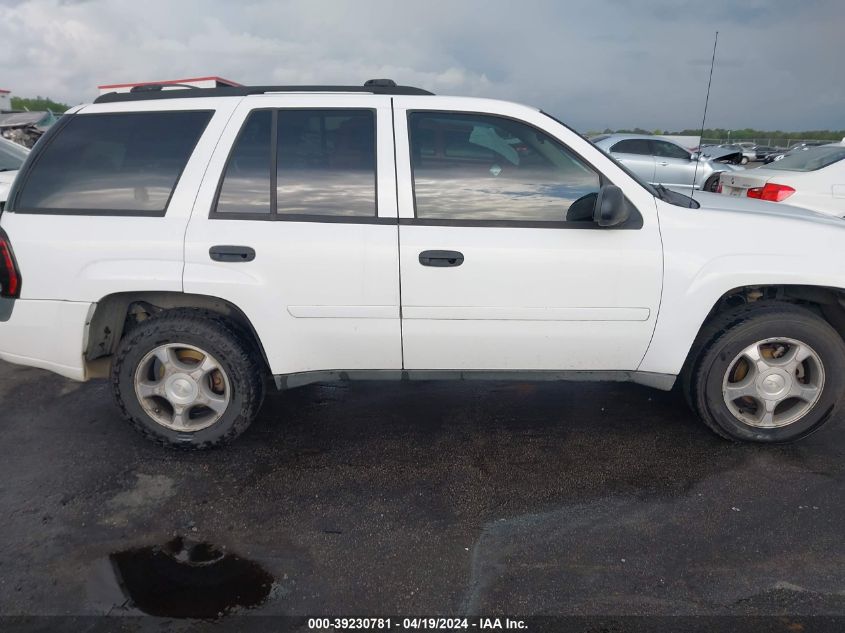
(326, 163)
(632, 146)
(117, 162)
(299, 164)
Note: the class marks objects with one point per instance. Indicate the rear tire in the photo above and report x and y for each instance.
(188, 379)
(776, 398)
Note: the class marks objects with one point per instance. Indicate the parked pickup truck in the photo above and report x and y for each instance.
(188, 244)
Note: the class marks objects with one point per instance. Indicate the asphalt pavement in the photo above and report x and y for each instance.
(416, 498)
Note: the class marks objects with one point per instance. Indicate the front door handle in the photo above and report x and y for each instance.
(224, 253)
(441, 258)
(663, 163)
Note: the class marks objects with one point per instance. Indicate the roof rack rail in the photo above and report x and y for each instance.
(157, 87)
(157, 91)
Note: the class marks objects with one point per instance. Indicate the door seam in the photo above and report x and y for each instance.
(398, 239)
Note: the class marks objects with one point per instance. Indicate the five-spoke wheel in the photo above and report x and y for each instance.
(188, 378)
(773, 382)
(766, 371)
(182, 387)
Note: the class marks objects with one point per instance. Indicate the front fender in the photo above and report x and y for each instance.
(708, 253)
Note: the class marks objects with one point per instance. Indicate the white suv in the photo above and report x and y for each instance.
(189, 243)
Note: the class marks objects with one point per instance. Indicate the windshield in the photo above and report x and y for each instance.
(809, 159)
(12, 156)
(660, 192)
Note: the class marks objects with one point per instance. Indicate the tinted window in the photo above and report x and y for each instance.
(326, 162)
(632, 146)
(476, 167)
(12, 156)
(120, 162)
(669, 150)
(246, 184)
(809, 159)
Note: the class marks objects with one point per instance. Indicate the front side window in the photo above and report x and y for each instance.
(669, 150)
(315, 163)
(124, 162)
(489, 168)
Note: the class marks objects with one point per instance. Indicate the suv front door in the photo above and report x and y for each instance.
(295, 224)
(501, 268)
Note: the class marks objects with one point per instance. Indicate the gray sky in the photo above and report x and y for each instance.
(594, 64)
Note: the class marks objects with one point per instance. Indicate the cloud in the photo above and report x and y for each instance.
(593, 64)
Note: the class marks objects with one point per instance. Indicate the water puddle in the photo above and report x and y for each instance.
(186, 579)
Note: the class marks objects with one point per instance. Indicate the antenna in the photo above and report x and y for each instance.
(704, 118)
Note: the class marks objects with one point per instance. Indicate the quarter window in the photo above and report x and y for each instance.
(123, 162)
(488, 168)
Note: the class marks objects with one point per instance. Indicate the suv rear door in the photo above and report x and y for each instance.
(295, 224)
(501, 269)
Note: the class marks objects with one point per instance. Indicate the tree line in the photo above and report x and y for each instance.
(37, 104)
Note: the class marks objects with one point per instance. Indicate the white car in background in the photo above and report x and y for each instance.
(813, 178)
(12, 157)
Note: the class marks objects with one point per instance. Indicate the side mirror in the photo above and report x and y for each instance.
(611, 208)
(694, 156)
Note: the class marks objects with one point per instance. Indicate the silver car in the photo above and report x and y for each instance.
(662, 162)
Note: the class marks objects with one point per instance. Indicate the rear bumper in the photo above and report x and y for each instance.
(50, 335)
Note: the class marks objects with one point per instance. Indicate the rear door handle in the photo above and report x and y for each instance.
(441, 259)
(224, 253)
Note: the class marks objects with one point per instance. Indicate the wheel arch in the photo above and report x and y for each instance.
(827, 302)
(116, 313)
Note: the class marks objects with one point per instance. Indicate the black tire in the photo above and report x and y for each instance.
(208, 331)
(712, 183)
(721, 340)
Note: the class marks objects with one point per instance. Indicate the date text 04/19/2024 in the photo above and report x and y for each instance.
(430, 624)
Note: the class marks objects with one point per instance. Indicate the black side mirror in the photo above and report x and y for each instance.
(611, 208)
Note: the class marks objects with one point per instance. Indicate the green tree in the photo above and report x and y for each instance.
(38, 103)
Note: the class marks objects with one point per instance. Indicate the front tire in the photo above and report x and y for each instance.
(187, 379)
(767, 373)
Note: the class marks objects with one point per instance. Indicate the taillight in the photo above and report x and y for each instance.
(10, 276)
(772, 192)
